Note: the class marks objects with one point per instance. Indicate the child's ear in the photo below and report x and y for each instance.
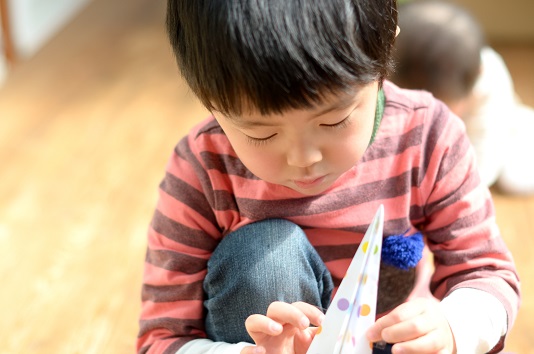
(397, 32)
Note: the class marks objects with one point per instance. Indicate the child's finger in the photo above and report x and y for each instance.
(410, 329)
(260, 324)
(254, 349)
(285, 313)
(315, 315)
(403, 312)
(433, 342)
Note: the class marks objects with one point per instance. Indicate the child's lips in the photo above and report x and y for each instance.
(309, 182)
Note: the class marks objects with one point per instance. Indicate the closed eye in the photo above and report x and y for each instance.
(259, 141)
(340, 124)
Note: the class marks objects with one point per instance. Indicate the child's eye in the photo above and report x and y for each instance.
(259, 141)
(340, 124)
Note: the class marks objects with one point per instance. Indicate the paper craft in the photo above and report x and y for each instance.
(353, 309)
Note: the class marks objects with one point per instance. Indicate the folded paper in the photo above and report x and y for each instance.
(353, 309)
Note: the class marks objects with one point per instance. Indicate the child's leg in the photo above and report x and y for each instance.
(257, 264)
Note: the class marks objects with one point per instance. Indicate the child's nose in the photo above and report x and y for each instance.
(303, 155)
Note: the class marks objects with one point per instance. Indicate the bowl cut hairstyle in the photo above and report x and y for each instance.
(275, 55)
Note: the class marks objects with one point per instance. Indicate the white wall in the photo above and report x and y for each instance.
(33, 22)
(504, 21)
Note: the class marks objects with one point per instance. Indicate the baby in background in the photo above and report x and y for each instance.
(442, 49)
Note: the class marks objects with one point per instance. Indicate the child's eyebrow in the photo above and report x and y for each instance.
(252, 123)
(340, 104)
(343, 103)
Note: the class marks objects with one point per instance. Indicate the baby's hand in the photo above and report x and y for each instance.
(285, 329)
(417, 326)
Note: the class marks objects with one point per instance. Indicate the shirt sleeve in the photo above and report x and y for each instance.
(206, 346)
(477, 320)
(181, 238)
(459, 219)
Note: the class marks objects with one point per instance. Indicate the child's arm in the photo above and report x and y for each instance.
(207, 346)
(285, 328)
(181, 237)
(470, 255)
(477, 319)
(458, 219)
(417, 326)
(469, 319)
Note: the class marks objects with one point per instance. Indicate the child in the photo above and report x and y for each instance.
(442, 50)
(264, 204)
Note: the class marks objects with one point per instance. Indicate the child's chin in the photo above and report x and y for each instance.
(311, 191)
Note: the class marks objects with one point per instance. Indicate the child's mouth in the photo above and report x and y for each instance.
(309, 183)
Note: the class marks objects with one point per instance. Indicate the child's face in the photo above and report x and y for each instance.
(305, 150)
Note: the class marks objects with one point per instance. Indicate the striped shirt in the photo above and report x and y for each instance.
(420, 166)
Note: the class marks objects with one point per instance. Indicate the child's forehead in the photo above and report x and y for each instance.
(330, 102)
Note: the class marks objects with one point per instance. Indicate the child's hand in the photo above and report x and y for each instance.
(285, 329)
(417, 326)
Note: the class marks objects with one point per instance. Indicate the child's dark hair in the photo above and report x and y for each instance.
(438, 49)
(274, 55)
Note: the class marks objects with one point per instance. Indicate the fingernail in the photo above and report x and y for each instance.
(320, 319)
(275, 327)
(372, 336)
(397, 350)
(304, 322)
(258, 350)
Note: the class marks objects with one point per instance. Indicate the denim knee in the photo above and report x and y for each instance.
(271, 260)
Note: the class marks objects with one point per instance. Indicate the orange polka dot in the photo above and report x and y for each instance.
(365, 310)
(319, 330)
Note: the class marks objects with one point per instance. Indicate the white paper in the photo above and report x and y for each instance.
(353, 309)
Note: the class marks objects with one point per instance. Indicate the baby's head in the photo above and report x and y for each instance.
(438, 50)
(274, 55)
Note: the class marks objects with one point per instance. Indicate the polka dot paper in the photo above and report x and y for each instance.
(353, 309)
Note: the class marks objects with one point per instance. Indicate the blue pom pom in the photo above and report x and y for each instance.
(402, 251)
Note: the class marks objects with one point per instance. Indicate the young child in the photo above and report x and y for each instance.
(442, 50)
(264, 204)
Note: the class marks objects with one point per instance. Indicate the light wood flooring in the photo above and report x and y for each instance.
(86, 127)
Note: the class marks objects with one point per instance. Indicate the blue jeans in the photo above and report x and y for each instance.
(271, 260)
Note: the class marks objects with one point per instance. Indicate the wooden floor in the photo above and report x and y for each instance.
(86, 127)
